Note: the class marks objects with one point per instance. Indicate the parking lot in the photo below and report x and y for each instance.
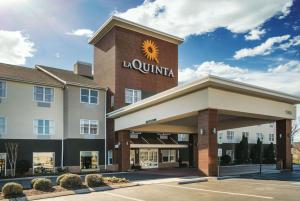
(284, 186)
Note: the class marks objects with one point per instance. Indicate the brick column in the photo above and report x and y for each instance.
(283, 143)
(123, 150)
(207, 142)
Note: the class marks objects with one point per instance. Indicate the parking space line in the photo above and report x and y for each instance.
(122, 196)
(270, 184)
(221, 192)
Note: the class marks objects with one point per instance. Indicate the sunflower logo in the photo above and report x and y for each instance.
(150, 50)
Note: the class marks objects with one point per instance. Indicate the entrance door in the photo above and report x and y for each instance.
(149, 158)
(2, 164)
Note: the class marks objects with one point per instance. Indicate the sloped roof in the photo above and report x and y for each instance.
(69, 77)
(26, 75)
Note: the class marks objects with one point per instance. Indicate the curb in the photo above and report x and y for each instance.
(190, 181)
(73, 192)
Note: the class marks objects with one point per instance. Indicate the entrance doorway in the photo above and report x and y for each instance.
(149, 158)
(2, 164)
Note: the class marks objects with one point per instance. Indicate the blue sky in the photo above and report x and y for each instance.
(255, 41)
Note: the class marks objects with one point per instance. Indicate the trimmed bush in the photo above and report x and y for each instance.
(71, 181)
(59, 178)
(33, 181)
(93, 180)
(12, 190)
(116, 180)
(42, 184)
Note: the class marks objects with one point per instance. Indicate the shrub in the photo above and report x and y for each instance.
(12, 190)
(42, 184)
(59, 178)
(225, 160)
(22, 167)
(71, 181)
(33, 181)
(93, 180)
(116, 180)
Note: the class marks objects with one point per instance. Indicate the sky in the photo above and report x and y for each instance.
(257, 42)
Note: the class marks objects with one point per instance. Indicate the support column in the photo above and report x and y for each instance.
(283, 143)
(207, 142)
(123, 150)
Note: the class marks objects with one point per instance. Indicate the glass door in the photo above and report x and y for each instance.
(149, 158)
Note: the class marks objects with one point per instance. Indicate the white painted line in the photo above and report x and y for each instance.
(221, 192)
(269, 184)
(122, 196)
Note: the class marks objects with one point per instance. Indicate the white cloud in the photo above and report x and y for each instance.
(283, 78)
(81, 32)
(292, 42)
(15, 47)
(190, 17)
(263, 49)
(57, 55)
(255, 34)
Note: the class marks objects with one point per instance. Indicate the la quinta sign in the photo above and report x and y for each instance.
(150, 51)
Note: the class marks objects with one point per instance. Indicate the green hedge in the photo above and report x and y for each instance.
(71, 181)
(12, 190)
(94, 180)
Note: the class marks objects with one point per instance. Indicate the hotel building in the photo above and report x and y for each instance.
(128, 111)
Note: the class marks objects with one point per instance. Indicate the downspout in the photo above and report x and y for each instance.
(105, 131)
(63, 134)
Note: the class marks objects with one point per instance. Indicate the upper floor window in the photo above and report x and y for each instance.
(132, 95)
(89, 96)
(259, 136)
(2, 125)
(88, 126)
(230, 135)
(2, 89)
(43, 127)
(271, 137)
(246, 134)
(183, 137)
(43, 94)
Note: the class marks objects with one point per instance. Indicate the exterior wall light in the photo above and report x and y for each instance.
(214, 131)
(201, 131)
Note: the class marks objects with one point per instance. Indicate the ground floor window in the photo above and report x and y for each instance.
(109, 157)
(2, 164)
(89, 160)
(230, 153)
(168, 155)
(43, 162)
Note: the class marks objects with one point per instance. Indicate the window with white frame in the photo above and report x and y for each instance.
(132, 96)
(2, 89)
(43, 162)
(43, 127)
(89, 96)
(230, 153)
(230, 135)
(259, 136)
(168, 155)
(183, 137)
(245, 134)
(43, 94)
(88, 126)
(109, 157)
(2, 125)
(271, 137)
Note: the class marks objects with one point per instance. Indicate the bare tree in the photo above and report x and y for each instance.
(12, 153)
(295, 131)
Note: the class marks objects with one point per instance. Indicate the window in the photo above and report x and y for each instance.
(2, 125)
(271, 137)
(168, 155)
(132, 96)
(89, 160)
(89, 96)
(259, 135)
(246, 134)
(230, 135)
(43, 162)
(112, 101)
(230, 153)
(2, 164)
(88, 126)
(43, 127)
(183, 137)
(43, 94)
(109, 157)
(2, 89)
